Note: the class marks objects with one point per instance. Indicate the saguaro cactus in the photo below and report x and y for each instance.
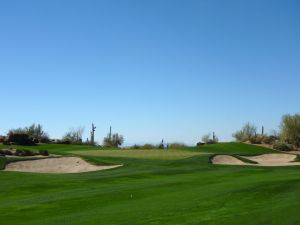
(93, 134)
(110, 133)
(214, 137)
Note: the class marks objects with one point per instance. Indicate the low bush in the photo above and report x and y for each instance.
(148, 146)
(24, 153)
(255, 140)
(135, 147)
(200, 144)
(268, 140)
(43, 152)
(161, 146)
(177, 145)
(281, 146)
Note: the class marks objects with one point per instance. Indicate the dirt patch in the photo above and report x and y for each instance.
(56, 165)
(262, 160)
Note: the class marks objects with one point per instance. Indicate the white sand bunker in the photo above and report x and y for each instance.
(262, 160)
(56, 165)
(227, 160)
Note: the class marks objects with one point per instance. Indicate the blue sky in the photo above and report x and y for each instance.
(151, 69)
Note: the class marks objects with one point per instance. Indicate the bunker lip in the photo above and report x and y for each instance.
(56, 165)
(262, 160)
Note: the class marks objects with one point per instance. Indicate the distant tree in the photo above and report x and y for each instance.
(74, 135)
(247, 133)
(290, 129)
(37, 133)
(18, 131)
(205, 138)
(34, 133)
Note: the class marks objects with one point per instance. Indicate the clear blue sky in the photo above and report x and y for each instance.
(152, 69)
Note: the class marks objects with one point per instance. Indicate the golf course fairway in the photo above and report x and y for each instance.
(181, 187)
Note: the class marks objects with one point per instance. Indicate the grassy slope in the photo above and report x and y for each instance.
(145, 191)
(235, 148)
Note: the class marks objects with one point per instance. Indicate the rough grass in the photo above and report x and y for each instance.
(187, 191)
(245, 160)
(3, 162)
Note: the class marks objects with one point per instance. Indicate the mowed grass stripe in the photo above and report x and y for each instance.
(141, 154)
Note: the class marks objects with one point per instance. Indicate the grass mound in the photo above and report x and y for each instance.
(234, 148)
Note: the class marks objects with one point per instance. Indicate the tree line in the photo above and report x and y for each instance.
(286, 139)
(35, 134)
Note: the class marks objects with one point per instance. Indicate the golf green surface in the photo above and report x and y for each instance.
(161, 187)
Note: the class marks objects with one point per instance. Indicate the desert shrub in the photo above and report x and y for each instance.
(142, 147)
(74, 135)
(200, 144)
(135, 147)
(113, 140)
(19, 138)
(43, 152)
(281, 146)
(148, 146)
(34, 132)
(290, 129)
(45, 139)
(268, 139)
(177, 145)
(65, 142)
(208, 140)
(255, 139)
(161, 146)
(247, 133)
(24, 152)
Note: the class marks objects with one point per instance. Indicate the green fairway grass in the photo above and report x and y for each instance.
(184, 188)
(169, 154)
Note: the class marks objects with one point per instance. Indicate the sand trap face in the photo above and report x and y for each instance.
(274, 159)
(262, 160)
(56, 165)
(227, 160)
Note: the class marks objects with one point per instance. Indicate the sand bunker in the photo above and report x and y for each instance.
(227, 160)
(56, 165)
(262, 160)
